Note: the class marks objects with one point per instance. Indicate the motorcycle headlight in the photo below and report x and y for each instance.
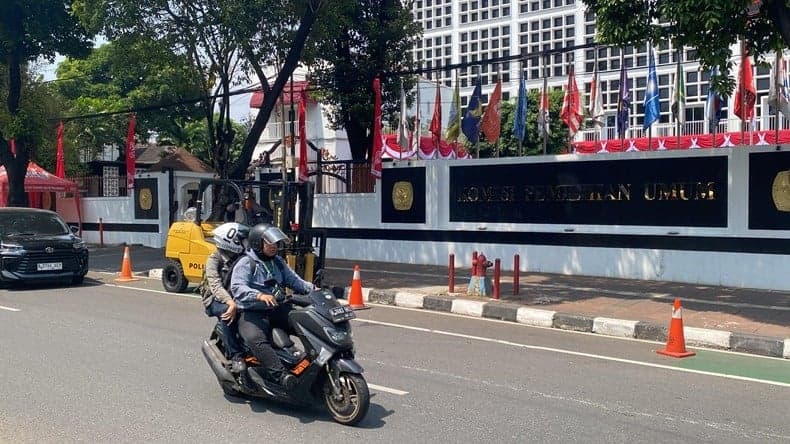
(339, 337)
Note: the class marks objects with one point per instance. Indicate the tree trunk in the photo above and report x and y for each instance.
(271, 95)
(360, 142)
(16, 168)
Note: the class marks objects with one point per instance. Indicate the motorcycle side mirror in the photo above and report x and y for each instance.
(318, 278)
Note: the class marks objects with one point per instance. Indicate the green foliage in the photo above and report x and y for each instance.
(558, 139)
(196, 135)
(131, 72)
(708, 26)
(357, 41)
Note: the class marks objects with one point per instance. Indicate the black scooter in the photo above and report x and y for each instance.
(325, 369)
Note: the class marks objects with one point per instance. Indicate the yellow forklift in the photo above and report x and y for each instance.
(288, 205)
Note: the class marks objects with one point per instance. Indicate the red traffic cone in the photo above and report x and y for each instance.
(676, 342)
(355, 296)
(126, 268)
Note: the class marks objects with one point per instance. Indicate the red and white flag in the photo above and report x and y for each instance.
(378, 142)
(60, 161)
(303, 172)
(130, 155)
(572, 113)
(746, 94)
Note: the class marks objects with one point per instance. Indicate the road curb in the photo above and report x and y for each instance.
(604, 326)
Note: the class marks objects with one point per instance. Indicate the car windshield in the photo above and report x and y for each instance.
(22, 224)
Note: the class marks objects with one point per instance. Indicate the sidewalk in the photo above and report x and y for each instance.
(744, 320)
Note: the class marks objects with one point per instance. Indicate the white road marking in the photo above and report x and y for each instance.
(2, 307)
(381, 388)
(573, 353)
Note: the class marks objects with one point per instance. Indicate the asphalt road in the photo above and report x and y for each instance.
(109, 363)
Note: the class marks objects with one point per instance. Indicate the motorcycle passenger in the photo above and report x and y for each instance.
(258, 283)
(230, 239)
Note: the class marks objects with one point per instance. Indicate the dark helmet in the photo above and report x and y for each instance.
(267, 232)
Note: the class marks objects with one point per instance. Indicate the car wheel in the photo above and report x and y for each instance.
(173, 277)
(78, 280)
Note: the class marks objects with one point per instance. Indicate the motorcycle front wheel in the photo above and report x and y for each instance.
(351, 405)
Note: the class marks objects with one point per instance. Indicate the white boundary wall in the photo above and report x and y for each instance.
(769, 271)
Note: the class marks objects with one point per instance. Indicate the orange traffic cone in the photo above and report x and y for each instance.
(676, 342)
(355, 296)
(126, 268)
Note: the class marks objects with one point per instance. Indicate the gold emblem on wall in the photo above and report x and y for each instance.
(402, 196)
(146, 199)
(781, 191)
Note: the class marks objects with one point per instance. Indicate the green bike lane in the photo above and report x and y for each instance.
(734, 364)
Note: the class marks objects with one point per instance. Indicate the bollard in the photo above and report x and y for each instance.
(101, 233)
(496, 278)
(515, 273)
(451, 273)
(474, 261)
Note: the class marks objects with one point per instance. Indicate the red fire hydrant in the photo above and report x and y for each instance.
(480, 284)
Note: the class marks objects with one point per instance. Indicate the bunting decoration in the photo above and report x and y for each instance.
(491, 123)
(571, 112)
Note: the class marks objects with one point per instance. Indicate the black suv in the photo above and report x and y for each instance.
(37, 245)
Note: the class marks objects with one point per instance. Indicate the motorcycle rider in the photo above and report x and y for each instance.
(230, 239)
(257, 284)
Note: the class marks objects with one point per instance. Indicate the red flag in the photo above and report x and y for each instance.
(491, 122)
(60, 162)
(130, 155)
(746, 94)
(302, 139)
(571, 112)
(436, 120)
(378, 142)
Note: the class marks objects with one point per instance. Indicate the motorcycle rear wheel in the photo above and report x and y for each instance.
(354, 401)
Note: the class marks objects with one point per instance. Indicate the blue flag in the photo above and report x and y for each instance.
(470, 124)
(519, 120)
(652, 106)
(713, 104)
(623, 103)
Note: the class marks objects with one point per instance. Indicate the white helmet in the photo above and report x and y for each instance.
(230, 236)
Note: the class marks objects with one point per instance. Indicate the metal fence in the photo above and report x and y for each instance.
(343, 176)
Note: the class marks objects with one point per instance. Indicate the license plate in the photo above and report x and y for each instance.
(49, 266)
(341, 313)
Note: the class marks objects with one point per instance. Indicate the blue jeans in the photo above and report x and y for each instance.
(232, 345)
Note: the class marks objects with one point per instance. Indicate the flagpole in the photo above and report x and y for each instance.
(546, 92)
(742, 92)
(520, 80)
(677, 97)
(596, 131)
(622, 133)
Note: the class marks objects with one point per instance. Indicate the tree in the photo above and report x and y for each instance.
(360, 40)
(225, 40)
(132, 72)
(708, 26)
(532, 144)
(30, 29)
